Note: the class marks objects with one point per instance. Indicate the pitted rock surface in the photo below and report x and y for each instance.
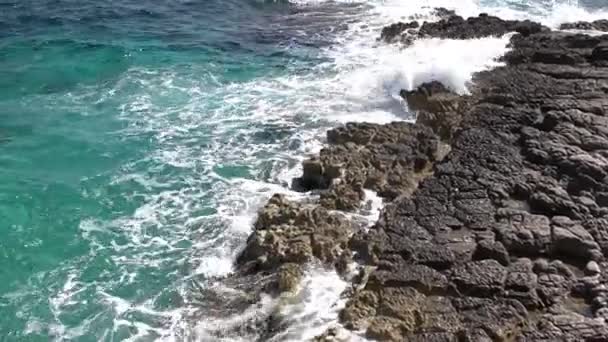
(510, 229)
(288, 232)
(452, 26)
(389, 159)
(598, 25)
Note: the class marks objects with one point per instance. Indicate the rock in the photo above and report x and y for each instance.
(598, 25)
(360, 309)
(443, 12)
(573, 240)
(420, 277)
(600, 53)
(565, 327)
(500, 318)
(494, 201)
(523, 234)
(313, 177)
(522, 283)
(479, 278)
(491, 250)
(592, 268)
(456, 27)
(384, 328)
(437, 107)
(392, 32)
(288, 232)
(289, 277)
(389, 159)
(342, 197)
(334, 334)
(518, 204)
(452, 26)
(434, 256)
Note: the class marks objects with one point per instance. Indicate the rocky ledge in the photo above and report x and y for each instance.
(598, 25)
(496, 219)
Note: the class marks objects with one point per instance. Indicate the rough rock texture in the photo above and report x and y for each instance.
(290, 233)
(389, 159)
(598, 25)
(456, 27)
(436, 107)
(452, 26)
(506, 239)
(496, 219)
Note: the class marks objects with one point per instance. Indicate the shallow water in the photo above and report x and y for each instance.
(138, 139)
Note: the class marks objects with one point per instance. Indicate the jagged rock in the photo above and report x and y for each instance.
(509, 218)
(313, 175)
(456, 27)
(476, 234)
(600, 53)
(522, 282)
(499, 318)
(334, 334)
(523, 234)
(391, 32)
(288, 232)
(420, 277)
(389, 159)
(474, 335)
(434, 256)
(555, 283)
(487, 249)
(598, 25)
(342, 196)
(566, 327)
(452, 26)
(443, 12)
(384, 328)
(436, 107)
(360, 309)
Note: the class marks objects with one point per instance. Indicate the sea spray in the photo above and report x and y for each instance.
(139, 141)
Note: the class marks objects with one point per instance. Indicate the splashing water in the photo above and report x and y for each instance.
(139, 142)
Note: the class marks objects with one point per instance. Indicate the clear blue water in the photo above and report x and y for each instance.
(137, 139)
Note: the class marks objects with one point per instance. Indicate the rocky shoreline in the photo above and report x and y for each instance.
(496, 219)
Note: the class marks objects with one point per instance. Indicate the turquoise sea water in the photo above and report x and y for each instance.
(138, 138)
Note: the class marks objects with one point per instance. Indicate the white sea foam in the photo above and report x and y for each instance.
(315, 306)
(191, 218)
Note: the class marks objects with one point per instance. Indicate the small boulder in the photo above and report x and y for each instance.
(592, 268)
(487, 249)
(573, 240)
